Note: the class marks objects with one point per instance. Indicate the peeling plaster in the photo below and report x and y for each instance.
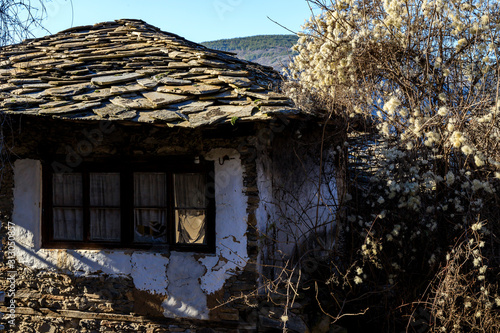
(185, 297)
(231, 208)
(149, 272)
(184, 278)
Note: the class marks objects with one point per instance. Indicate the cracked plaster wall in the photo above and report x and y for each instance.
(289, 212)
(183, 279)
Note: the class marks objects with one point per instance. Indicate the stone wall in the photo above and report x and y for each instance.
(297, 185)
(77, 291)
(63, 297)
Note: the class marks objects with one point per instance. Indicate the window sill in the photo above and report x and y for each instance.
(159, 248)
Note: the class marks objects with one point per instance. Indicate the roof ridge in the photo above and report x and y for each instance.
(115, 23)
(136, 23)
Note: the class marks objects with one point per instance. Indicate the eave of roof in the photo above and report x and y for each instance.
(128, 70)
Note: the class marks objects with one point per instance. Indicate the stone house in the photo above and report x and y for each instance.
(141, 181)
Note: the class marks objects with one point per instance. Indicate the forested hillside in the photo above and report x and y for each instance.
(269, 50)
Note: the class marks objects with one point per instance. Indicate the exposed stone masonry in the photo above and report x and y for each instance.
(49, 301)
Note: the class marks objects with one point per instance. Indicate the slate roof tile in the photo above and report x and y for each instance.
(131, 71)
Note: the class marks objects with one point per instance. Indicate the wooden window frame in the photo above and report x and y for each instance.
(126, 169)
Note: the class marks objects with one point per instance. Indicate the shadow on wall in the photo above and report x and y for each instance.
(305, 191)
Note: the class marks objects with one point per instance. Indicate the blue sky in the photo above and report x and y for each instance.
(196, 20)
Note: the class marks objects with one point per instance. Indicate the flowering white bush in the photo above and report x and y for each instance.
(421, 68)
(425, 74)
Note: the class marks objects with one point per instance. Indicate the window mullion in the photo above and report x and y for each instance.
(126, 207)
(47, 214)
(170, 210)
(86, 205)
(210, 209)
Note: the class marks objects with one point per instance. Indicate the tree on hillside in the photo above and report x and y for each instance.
(253, 43)
(18, 18)
(425, 74)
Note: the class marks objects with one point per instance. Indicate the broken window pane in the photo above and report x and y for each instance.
(67, 206)
(105, 224)
(190, 206)
(150, 207)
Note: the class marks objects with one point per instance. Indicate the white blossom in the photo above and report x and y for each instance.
(466, 149)
(443, 111)
(450, 178)
(477, 226)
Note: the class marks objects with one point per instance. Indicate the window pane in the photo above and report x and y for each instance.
(67, 189)
(190, 226)
(150, 225)
(67, 201)
(150, 203)
(68, 224)
(189, 190)
(105, 189)
(150, 189)
(105, 224)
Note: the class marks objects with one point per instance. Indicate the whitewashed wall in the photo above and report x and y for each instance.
(183, 279)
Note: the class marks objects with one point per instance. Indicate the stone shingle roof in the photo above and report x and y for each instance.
(131, 71)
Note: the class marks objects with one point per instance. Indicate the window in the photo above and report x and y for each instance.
(130, 205)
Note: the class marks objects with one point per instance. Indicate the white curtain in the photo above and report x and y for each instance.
(105, 222)
(190, 204)
(150, 207)
(68, 224)
(190, 226)
(67, 202)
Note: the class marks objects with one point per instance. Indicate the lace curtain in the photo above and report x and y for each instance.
(105, 220)
(67, 206)
(150, 207)
(104, 206)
